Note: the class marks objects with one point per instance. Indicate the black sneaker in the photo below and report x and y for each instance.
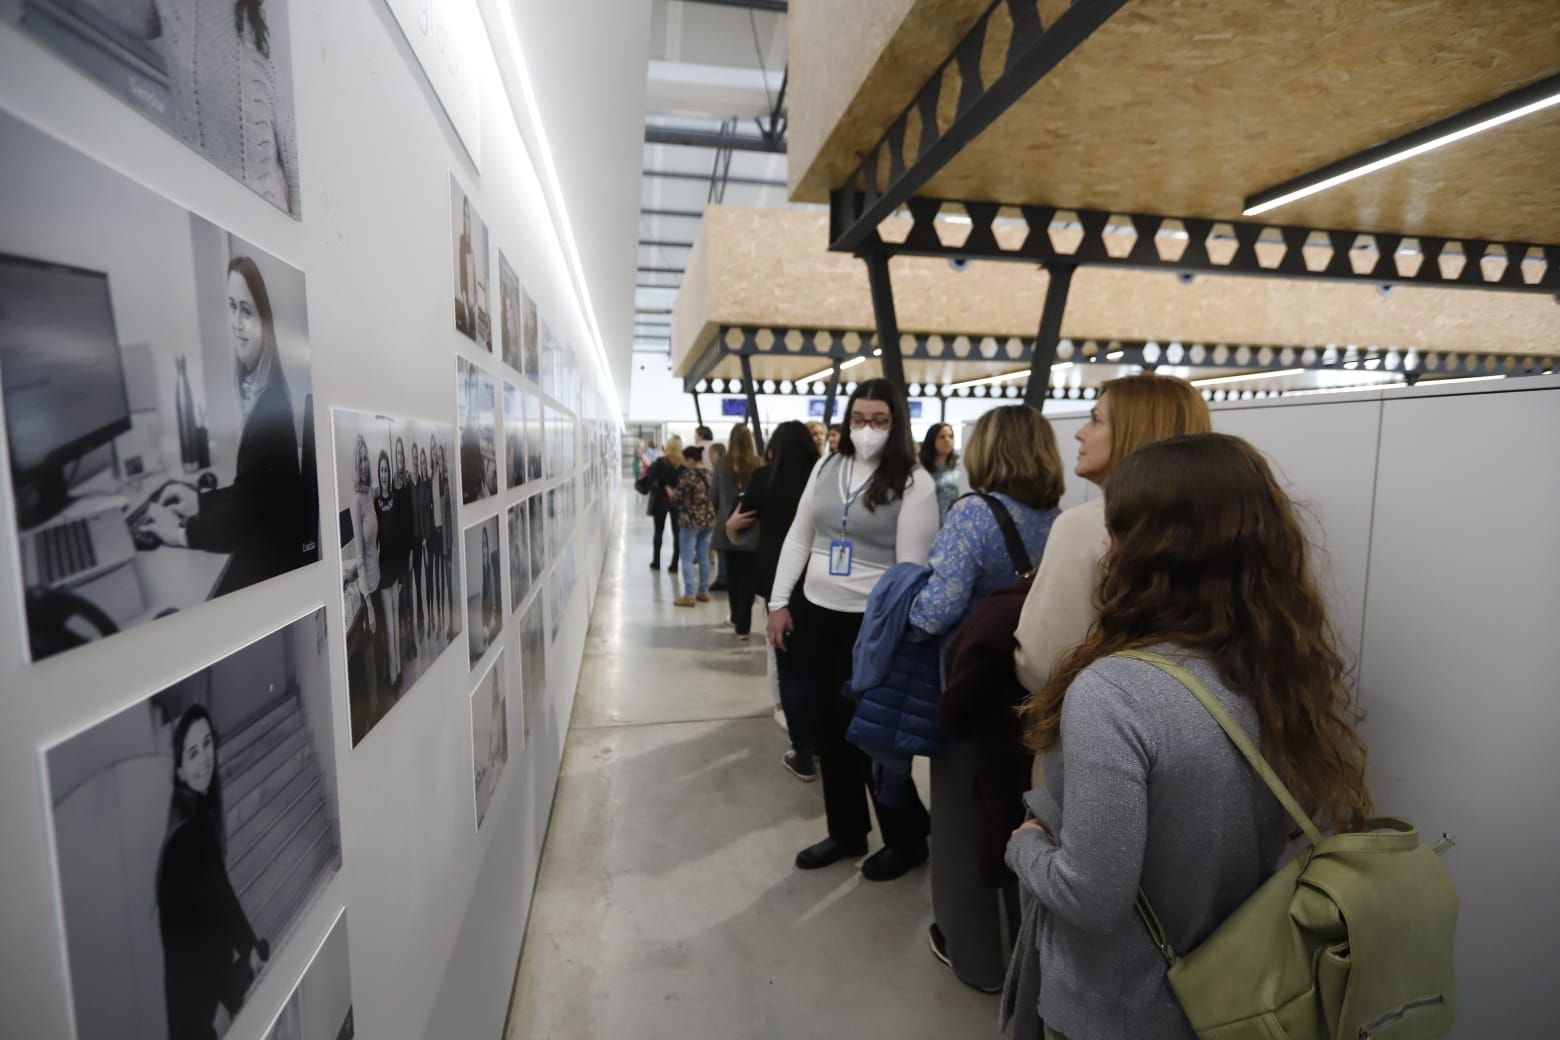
(939, 944)
(801, 766)
(886, 863)
(655, 565)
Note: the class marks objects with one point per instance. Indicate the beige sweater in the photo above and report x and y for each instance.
(1060, 606)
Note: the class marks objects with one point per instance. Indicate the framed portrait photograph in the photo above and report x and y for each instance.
(159, 400)
(216, 76)
(538, 538)
(509, 314)
(470, 236)
(484, 607)
(530, 350)
(400, 556)
(477, 414)
(519, 556)
(515, 457)
(320, 1007)
(192, 830)
(533, 667)
(489, 734)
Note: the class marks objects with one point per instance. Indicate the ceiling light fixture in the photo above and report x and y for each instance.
(1534, 97)
(1459, 379)
(1004, 377)
(1214, 380)
(852, 363)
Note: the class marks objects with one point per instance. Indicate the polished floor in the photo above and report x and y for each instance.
(668, 907)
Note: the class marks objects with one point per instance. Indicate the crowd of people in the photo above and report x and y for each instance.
(924, 602)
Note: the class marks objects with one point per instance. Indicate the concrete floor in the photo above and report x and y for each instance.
(668, 906)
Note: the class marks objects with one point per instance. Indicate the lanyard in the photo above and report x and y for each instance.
(845, 492)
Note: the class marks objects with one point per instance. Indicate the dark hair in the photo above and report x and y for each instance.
(898, 460)
(1207, 552)
(384, 460)
(792, 450)
(704, 433)
(212, 806)
(929, 448)
(693, 454)
(253, 10)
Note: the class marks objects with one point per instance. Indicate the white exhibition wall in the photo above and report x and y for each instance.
(438, 908)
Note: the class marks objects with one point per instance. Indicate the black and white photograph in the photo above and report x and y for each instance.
(320, 1007)
(515, 457)
(489, 735)
(471, 268)
(535, 437)
(531, 364)
(509, 314)
(218, 78)
(158, 400)
(400, 556)
(192, 831)
(546, 356)
(484, 608)
(554, 525)
(533, 668)
(538, 537)
(477, 415)
(519, 556)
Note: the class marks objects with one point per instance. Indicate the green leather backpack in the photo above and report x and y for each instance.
(1351, 940)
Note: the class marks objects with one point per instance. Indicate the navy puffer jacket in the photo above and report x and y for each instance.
(896, 677)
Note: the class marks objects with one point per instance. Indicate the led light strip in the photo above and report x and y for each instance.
(1549, 95)
(1004, 377)
(1215, 380)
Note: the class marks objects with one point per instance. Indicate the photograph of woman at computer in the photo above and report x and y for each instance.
(158, 400)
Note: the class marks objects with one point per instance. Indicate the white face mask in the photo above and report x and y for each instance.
(869, 443)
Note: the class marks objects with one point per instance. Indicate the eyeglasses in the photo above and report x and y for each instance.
(877, 422)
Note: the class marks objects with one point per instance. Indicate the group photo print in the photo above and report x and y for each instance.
(159, 408)
(400, 550)
(192, 830)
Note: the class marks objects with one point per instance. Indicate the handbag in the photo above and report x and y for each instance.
(1018, 555)
(1351, 939)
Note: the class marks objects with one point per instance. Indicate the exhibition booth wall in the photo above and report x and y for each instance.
(312, 441)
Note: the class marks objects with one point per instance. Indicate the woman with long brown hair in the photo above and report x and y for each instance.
(732, 475)
(1209, 566)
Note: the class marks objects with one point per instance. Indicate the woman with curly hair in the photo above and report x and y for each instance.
(1208, 566)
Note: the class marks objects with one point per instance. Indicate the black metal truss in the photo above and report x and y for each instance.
(661, 270)
(888, 175)
(773, 6)
(690, 175)
(685, 214)
(840, 345)
(656, 243)
(1144, 241)
(714, 139)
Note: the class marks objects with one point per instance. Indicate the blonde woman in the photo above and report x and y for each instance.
(1129, 413)
(989, 540)
(663, 475)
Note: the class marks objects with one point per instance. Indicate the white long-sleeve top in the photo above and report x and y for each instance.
(915, 530)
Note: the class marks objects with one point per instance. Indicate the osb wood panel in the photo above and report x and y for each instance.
(771, 268)
(855, 65)
(692, 302)
(1505, 183)
(1188, 106)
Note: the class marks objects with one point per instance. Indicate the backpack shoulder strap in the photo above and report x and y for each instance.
(1231, 728)
(1018, 555)
(1237, 736)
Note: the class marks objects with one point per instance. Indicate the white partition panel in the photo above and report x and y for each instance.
(1461, 677)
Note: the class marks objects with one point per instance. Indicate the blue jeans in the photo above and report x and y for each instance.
(694, 545)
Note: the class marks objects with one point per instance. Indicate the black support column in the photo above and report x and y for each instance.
(1049, 333)
(887, 321)
(752, 403)
(697, 411)
(834, 390)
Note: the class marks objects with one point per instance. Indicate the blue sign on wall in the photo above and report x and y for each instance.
(733, 407)
(815, 408)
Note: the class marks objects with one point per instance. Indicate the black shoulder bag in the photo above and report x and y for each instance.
(1023, 569)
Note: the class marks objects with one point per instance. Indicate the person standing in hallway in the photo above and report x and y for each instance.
(940, 460)
(836, 431)
(865, 509)
(733, 476)
(697, 518)
(820, 436)
(989, 540)
(770, 502)
(1209, 567)
(662, 478)
(1129, 413)
(714, 455)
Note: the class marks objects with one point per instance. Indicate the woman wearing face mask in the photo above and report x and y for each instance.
(263, 521)
(210, 952)
(865, 508)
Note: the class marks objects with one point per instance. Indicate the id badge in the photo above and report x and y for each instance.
(840, 551)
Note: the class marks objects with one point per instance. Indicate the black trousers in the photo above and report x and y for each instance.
(847, 770)
(741, 579)
(661, 510)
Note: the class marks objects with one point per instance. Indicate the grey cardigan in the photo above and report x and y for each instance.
(724, 495)
(1150, 791)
